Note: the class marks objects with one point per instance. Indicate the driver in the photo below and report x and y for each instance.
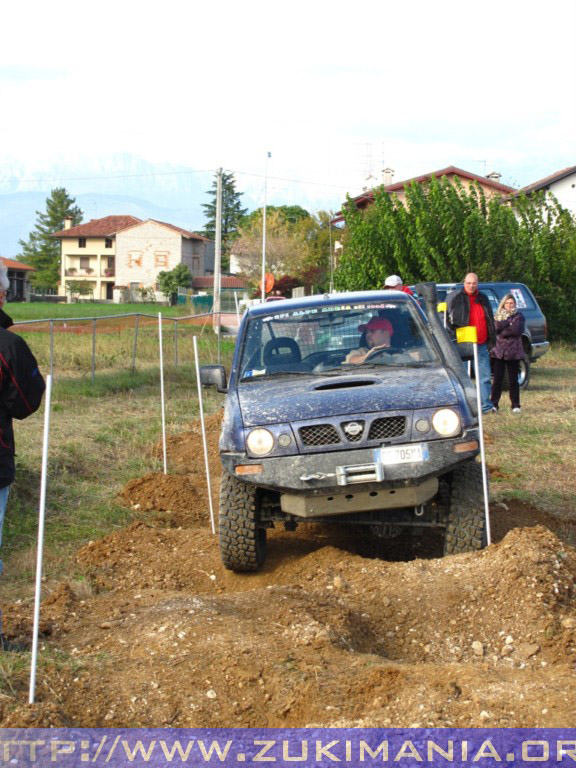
(378, 332)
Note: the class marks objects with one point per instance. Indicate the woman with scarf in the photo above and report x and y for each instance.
(508, 351)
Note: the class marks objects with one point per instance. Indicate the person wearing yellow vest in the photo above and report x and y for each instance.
(467, 306)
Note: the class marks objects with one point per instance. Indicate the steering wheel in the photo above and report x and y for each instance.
(381, 351)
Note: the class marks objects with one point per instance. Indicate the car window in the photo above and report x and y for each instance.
(495, 294)
(524, 300)
(492, 297)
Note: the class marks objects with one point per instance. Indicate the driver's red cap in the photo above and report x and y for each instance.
(377, 324)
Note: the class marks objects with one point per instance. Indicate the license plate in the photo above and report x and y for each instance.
(402, 454)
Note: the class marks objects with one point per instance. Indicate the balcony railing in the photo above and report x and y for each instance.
(83, 271)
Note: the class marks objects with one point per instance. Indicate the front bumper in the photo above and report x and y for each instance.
(321, 473)
(538, 349)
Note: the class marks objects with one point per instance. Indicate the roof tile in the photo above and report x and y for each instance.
(106, 227)
(13, 264)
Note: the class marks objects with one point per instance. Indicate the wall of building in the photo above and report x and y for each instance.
(565, 192)
(89, 264)
(145, 250)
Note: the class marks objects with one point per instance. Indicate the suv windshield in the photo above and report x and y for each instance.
(330, 337)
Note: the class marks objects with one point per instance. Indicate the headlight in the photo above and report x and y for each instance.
(446, 422)
(260, 442)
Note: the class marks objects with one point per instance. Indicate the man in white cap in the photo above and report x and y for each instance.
(394, 283)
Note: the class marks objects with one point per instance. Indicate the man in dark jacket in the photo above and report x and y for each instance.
(469, 306)
(21, 390)
(5, 320)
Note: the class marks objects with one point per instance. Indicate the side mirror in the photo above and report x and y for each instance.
(214, 376)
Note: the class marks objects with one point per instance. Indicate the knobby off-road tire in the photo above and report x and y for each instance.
(242, 539)
(466, 523)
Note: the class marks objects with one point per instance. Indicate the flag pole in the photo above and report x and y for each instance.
(469, 334)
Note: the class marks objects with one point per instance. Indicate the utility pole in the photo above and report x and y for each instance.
(263, 292)
(218, 256)
(331, 288)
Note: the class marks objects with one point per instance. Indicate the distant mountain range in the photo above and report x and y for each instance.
(118, 184)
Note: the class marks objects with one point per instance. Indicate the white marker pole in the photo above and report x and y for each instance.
(237, 307)
(204, 443)
(482, 452)
(40, 551)
(162, 401)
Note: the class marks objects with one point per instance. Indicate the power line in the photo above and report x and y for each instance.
(60, 179)
(281, 178)
(55, 179)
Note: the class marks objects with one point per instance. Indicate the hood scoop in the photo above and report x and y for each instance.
(345, 384)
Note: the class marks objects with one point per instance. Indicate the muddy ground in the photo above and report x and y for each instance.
(332, 632)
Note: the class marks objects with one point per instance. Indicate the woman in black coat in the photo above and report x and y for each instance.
(508, 351)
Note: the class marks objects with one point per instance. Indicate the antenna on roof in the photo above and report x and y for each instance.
(485, 164)
(369, 177)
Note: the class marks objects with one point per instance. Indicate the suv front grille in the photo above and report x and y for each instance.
(319, 434)
(384, 429)
(353, 430)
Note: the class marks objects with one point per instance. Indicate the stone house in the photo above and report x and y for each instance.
(117, 255)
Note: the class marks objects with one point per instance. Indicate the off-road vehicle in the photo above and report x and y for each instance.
(309, 436)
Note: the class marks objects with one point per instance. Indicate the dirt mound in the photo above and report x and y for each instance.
(165, 493)
(186, 451)
(331, 632)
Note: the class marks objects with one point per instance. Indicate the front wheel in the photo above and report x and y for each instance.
(466, 521)
(242, 538)
(523, 375)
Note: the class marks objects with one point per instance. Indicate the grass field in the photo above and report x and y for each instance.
(101, 436)
(105, 433)
(73, 348)
(22, 311)
(533, 454)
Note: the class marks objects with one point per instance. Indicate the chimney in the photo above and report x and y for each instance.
(494, 176)
(68, 222)
(387, 176)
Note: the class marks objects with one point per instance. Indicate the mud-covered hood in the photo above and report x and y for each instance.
(287, 398)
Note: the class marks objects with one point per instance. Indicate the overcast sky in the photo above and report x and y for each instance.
(335, 90)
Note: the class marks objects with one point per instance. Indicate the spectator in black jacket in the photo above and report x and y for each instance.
(469, 306)
(5, 320)
(21, 390)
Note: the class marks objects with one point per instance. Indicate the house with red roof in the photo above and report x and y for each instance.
(117, 255)
(562, 185)
(19, 276)
(490, 184)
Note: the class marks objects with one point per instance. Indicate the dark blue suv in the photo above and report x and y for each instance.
(352, 408)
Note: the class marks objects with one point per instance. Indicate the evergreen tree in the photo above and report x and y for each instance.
(232, 213)
(42, 251)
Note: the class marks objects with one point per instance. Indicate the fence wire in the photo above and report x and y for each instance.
(88, 345)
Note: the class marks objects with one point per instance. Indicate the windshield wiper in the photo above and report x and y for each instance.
(273, 374)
